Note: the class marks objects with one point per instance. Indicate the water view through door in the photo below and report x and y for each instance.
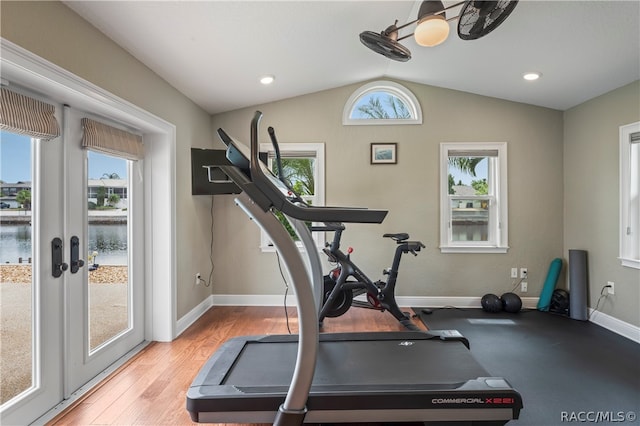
(16, 255)
(107, 248)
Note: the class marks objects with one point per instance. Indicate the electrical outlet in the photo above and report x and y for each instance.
(198, 278)
(524, 273)
(612, 287)
(514, 272)
(523, 286)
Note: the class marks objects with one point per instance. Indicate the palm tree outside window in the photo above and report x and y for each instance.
(382, 103)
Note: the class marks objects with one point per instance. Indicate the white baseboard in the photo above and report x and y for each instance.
(457, 302)
(620, 327)
(615, 325)
(405, 301)
(193, 315)
(253, 300)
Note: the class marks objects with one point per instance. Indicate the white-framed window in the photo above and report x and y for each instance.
(303, 166)
(382, 102)
(630, 195)
(473, 198)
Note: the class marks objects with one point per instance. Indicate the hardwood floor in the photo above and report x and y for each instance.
(151, 388)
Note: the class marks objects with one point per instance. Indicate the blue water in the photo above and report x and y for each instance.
(110, 241)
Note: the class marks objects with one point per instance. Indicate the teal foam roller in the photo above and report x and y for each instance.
(549, 284)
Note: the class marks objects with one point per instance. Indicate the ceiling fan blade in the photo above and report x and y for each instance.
(479, 18)
(478, 27)
(485, 7)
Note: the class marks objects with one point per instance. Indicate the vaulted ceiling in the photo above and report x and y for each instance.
(215, 51)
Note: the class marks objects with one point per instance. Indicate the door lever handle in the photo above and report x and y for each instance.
(76, 263)
(57, 265)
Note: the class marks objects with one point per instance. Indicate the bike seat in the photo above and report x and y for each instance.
(397, 237)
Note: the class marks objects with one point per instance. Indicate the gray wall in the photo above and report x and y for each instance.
(409, 190)
(56, 33)
(591, 184)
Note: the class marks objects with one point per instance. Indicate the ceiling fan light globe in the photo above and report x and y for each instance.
(431, 31)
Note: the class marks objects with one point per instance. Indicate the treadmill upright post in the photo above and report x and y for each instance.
(293, 410)
(315, 265)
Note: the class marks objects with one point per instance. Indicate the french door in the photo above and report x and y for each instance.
(104, 318)
(85, 296)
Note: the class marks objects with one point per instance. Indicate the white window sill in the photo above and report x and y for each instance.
(473, 249)
(630, 263)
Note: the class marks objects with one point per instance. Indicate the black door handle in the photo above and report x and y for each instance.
(76, 263)
(57, 265)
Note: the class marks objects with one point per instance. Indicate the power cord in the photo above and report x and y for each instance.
(210, 280)
(286, 291)
(517, 284)
(602, 294)
(429, 311)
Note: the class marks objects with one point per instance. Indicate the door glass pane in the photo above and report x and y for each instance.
(108, 255)
(16, 283)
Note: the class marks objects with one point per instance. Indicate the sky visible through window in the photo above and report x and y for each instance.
(466, 178)
(15, 152)
(383, 97)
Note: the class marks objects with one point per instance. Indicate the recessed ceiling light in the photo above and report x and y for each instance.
(267, 79)
(531, 76)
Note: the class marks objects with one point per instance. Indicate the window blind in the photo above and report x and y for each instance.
(634, 137)
(473, 153)
(109, 140)
(293, 154)
(27, 116)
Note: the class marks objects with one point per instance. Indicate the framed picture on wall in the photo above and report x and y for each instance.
(384, 153)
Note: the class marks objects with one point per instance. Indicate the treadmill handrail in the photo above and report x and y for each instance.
(306, 213)
(273, 192)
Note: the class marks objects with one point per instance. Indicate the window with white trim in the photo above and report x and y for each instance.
(630, 195)
(303, 166)
(382, 102)
(473, 198)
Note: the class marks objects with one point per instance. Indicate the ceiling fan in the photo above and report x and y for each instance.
(476, 19)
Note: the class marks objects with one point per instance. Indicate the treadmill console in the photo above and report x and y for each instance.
(258, 180)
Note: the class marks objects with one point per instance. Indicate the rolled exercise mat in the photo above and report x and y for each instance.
(549, 284)
(578, 280)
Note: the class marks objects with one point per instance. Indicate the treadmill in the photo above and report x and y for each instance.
(391, 377)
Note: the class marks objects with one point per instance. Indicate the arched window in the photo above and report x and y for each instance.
(382, 102)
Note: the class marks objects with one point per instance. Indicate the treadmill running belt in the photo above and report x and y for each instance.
(357, 363)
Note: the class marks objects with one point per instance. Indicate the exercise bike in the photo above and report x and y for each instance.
(338, 291)
(347, 281)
